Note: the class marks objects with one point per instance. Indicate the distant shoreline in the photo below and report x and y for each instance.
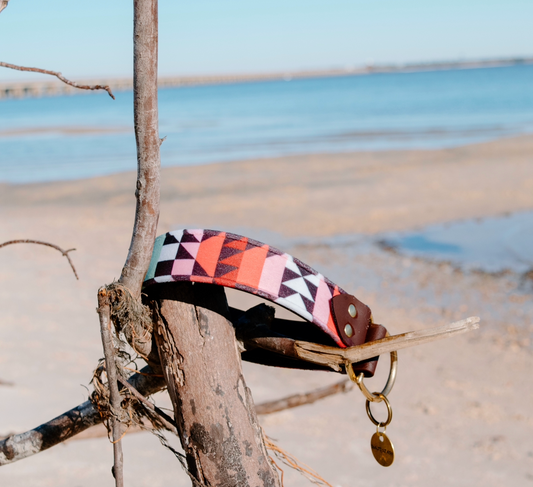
(52, 87)
(341, 193)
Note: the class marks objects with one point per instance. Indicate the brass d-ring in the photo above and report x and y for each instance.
(358, 379)
(389, 412)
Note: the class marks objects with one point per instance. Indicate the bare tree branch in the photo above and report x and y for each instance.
(3, 4)
(56, 74)
(39, 242)
(23, 445)
(104, 314)
(297, 400)
(148, 142)
(79, 419)
(69, 424)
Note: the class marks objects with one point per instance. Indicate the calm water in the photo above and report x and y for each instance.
(490, 244)
(264, 119)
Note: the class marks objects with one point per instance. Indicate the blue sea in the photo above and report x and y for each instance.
(88, 135)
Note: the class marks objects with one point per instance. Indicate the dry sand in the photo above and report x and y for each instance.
(463, 411)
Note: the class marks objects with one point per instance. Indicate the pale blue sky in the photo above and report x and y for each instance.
(94, 38)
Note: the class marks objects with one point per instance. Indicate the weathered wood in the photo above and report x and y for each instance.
(57, 74)
(334, 358)
(104, 313)
(145, 45)
(297, 400)
(18, 446)
(213, 407)
(77, 424)
(84, 416)
(337, 357)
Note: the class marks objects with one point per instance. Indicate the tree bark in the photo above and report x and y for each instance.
(148, 142)
(213, 407)
(104, 314)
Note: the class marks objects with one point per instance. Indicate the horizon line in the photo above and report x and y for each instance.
(54, 87)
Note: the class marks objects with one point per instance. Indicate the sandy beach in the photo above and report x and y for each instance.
(462, 406)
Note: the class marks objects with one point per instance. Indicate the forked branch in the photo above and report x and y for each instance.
(57, 74)
(47, 244)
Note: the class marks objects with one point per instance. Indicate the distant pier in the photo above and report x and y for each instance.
(54, 87)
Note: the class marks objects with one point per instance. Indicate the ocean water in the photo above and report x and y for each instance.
(88, 135)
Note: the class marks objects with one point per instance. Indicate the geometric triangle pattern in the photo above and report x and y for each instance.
(231, 260)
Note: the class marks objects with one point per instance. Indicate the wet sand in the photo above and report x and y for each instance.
(462, 407)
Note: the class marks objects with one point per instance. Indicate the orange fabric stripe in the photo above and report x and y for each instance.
(208, 280)
(251, 267)
(209, 252)
(233, 260)
(238, 244)
(223, 281)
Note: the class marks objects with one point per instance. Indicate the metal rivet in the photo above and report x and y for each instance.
(352, 311)
(348, 330)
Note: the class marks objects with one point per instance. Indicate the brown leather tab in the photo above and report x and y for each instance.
(352, 330)
(368, 367)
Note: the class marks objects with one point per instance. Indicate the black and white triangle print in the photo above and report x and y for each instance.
(298, 286)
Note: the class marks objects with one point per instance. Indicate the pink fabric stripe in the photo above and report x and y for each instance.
(321, 310)
(191, 247)
(182, 267)
(272, 274)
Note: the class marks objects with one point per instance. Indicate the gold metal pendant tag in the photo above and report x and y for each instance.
(382, 449)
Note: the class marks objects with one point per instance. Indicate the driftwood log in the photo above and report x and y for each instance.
(213, 407)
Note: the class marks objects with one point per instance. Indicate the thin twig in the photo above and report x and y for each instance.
(39, 242)
(304, 398)
(293, 462)
(59, 76)
(104, 314)
(18, 446)
(169, 423)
